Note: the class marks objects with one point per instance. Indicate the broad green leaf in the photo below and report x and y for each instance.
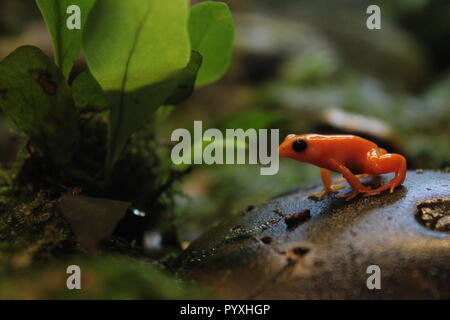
(35, 95)
(66, 42)
(132, 110)
(87, 93)
(132, 48)
(186, 80)
(211, 29)
(135, 43)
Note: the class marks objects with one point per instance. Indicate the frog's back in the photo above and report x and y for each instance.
(344, 143)
(348, 150)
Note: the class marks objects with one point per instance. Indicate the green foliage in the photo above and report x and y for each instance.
(133, 44)
(132, 48)
(139, 58)
(211, 30)
(130, 111)
(34, 94)
(87, 93)
(66, 43)
(186, 80)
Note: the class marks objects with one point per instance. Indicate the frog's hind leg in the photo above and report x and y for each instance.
(353, 181)
(386, 163)
(328, 187)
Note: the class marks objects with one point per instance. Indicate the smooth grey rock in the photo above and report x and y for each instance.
(296, 248)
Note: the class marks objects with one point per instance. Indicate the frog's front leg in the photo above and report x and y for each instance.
(380, 162)
(328, 187)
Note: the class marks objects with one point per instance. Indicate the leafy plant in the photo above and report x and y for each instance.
(66, 42)
(211, 30)
(140, 55)
(34, 94)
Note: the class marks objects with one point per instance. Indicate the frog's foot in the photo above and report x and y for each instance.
(321, 194)
(354, 193)
(391, 186)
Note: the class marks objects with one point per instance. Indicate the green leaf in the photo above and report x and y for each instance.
(134, 43)
(92, 219)
(66, 42)
(163, 113)
(186, 80)
(130, 111)
(87, 93)
(211, 29)
(35, 95)
(132, 48)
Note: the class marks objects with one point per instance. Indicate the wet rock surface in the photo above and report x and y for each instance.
(296, 248)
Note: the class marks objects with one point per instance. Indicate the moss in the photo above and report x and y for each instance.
(246, 233)
(31, 230)
(235, 234)
(141, 177)
(37, 244)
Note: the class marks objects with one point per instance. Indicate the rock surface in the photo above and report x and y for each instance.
(296, 248)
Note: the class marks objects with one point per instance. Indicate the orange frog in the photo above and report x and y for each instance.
(350, 155)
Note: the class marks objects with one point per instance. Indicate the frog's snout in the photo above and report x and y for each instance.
(285, 148)
(282, 152)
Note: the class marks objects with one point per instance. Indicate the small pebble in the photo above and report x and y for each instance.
(443, 224)
(293, 221)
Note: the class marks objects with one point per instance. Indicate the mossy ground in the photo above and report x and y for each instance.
(37, 243)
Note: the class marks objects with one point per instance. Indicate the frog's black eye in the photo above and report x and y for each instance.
(299, 145)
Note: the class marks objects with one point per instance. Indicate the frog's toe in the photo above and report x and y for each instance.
(369, 194)
(317, 195)
(336, 187)
(393, 188)
(348, 196)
